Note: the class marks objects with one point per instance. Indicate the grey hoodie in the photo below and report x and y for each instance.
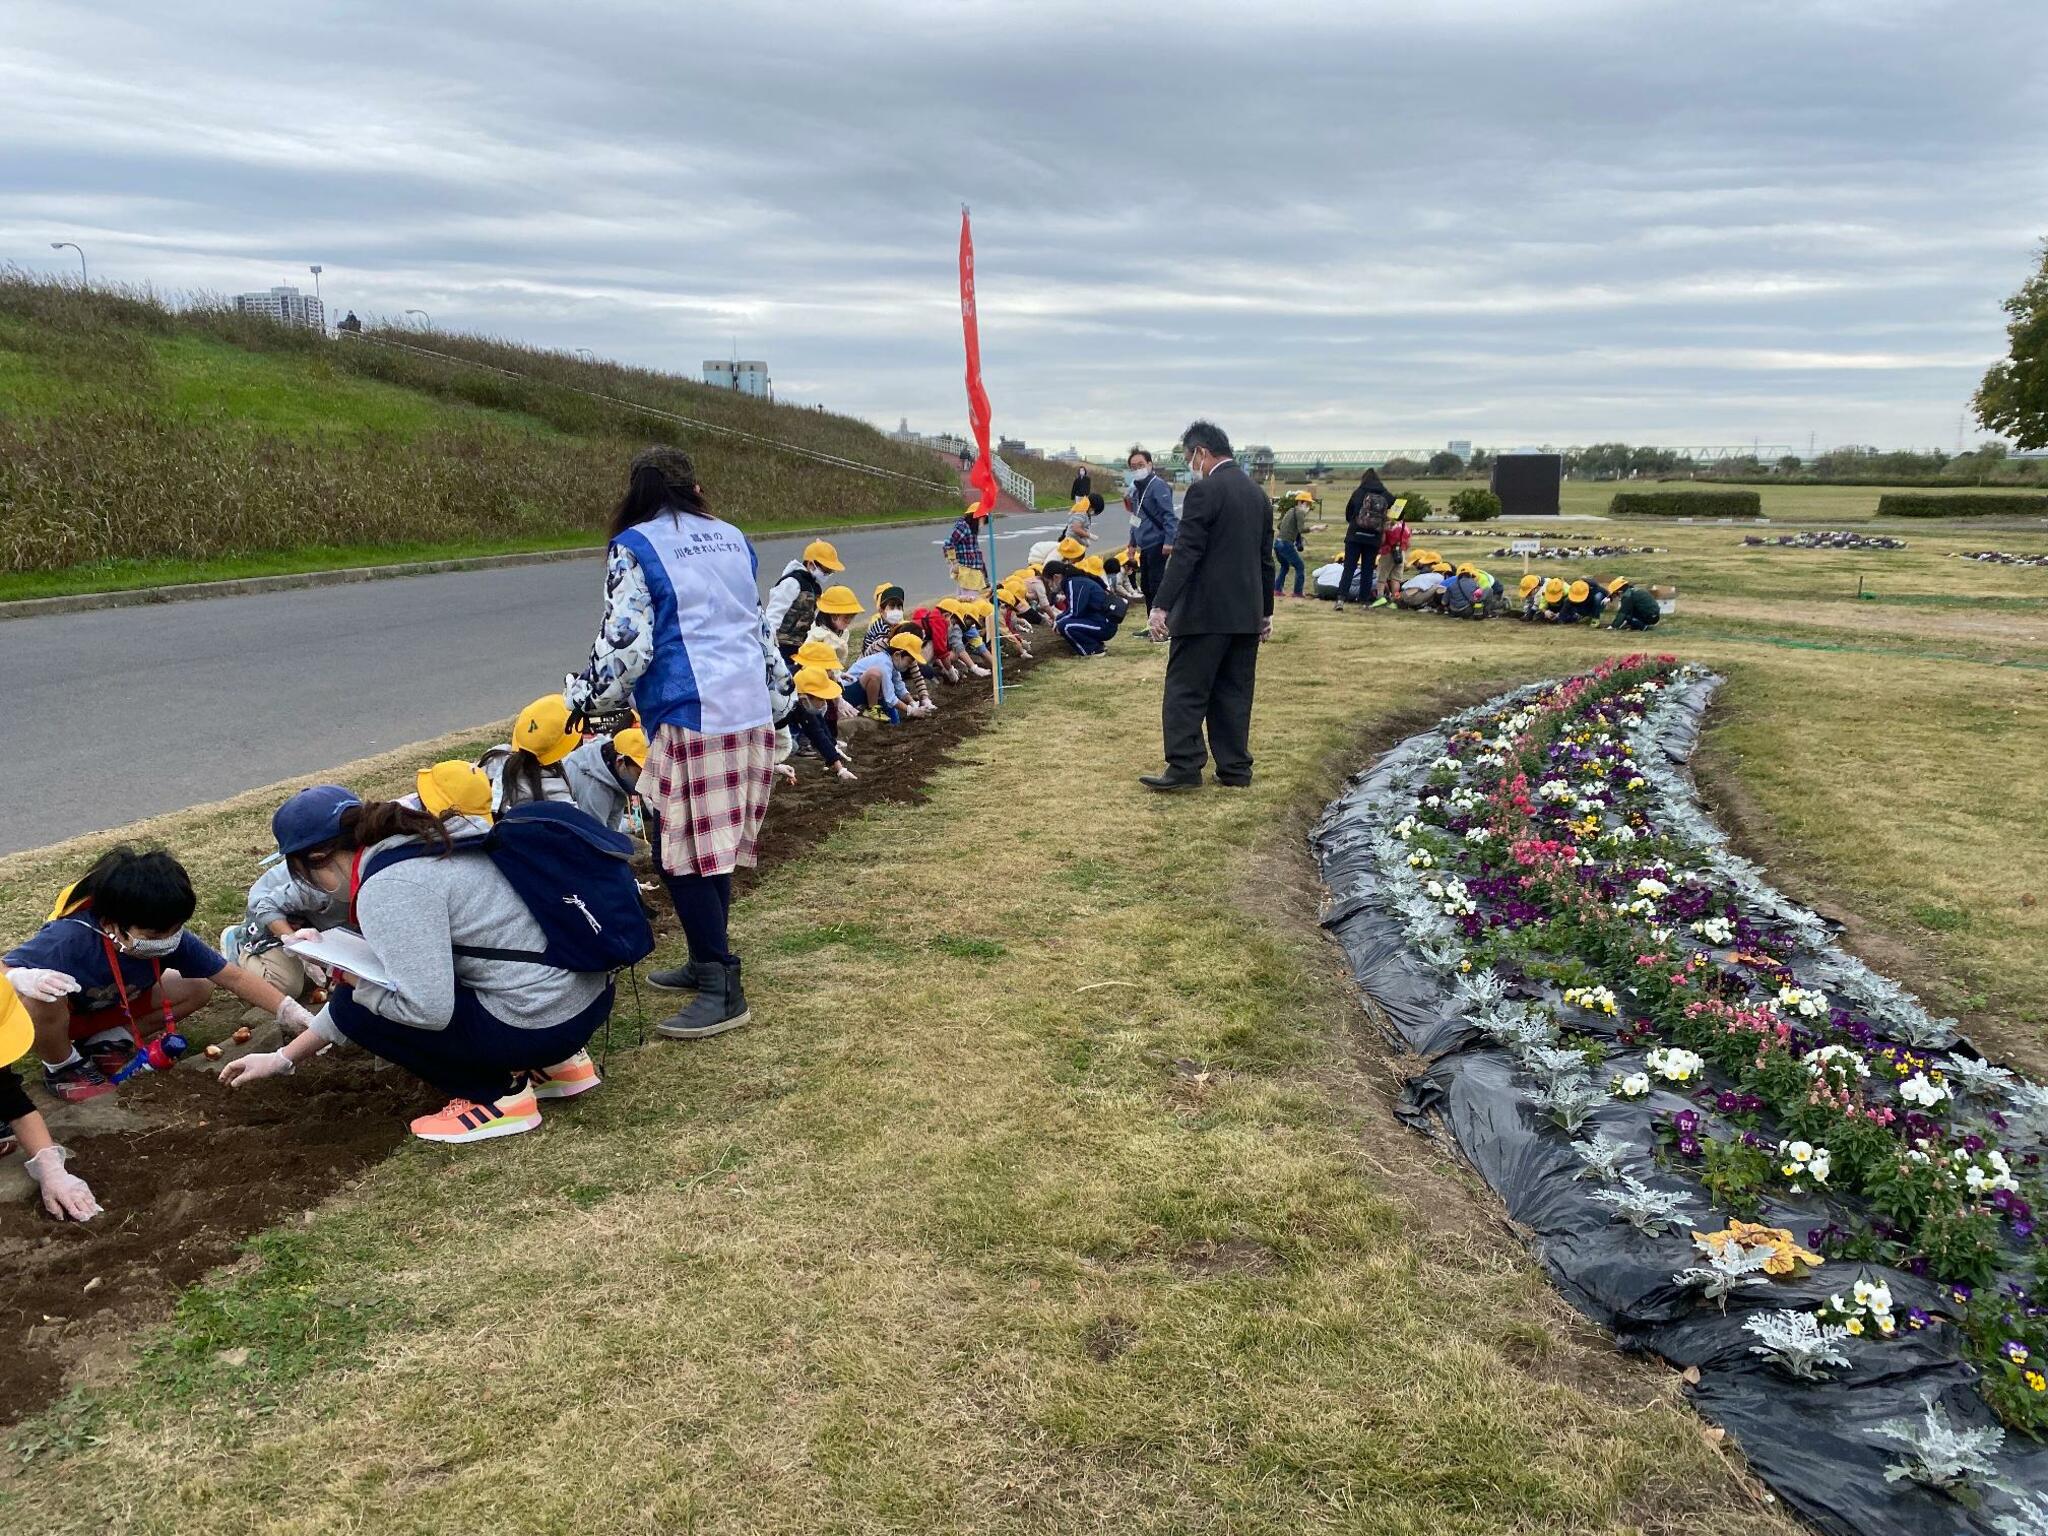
(553, 785)
(413, 913)
(594, 787)
(278, 896)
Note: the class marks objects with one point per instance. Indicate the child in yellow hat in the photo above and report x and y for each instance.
(65, 1194)
(1529, 593)
(1551, 609)
(1582, 603)
(837, 609)
(529, 766)
(818, 693)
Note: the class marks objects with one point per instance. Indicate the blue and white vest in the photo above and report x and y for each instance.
(709, 673)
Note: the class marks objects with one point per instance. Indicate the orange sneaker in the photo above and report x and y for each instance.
(576, 1075)
(463, 1121)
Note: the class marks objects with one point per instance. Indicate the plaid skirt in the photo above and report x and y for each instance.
(711, 793)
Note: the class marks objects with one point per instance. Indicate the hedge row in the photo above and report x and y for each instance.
(1914, 505)
(1686, 504)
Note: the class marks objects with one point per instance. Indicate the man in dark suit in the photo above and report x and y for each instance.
(1217, 603)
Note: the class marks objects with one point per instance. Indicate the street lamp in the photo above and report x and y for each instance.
(426, 320)
(58, 245)
(315, 270)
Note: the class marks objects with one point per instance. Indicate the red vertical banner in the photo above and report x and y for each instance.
(983, 476)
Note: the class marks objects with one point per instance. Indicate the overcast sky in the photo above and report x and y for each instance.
(1327, 225)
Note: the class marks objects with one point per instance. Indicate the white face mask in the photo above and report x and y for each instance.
(150, 949)
(1195, 469)
(893, 615)
(1139, 472)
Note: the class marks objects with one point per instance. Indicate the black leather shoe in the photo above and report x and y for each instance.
(1243, 783)
(1167, 782)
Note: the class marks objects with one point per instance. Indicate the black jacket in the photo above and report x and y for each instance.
(1081, 484)
(1219, 580)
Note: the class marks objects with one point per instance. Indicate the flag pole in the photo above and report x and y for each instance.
(984, 475)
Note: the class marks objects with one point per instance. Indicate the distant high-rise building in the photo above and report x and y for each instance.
(287, 306)
(1462, 447)
(747, 378)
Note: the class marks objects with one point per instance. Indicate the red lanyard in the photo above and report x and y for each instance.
(121, 988)
(355, 885)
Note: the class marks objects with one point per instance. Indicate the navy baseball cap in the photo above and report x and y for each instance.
(311, 817)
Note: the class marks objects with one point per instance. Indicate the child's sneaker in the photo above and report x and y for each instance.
(461, 1121)
(1381, 602)
(576, 1075)
(76, 1081)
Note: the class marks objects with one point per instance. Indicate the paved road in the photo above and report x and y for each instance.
(130, 712)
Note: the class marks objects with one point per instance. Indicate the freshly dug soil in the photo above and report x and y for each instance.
(187, 1170)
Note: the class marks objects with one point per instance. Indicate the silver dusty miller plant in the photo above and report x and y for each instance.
(1938, 1455)
(1649, 1211)
(1603, 1157)
(1975, 1079)
(1570, 1101)
(1798, 1342)
(2029, 1517)
(1727, 1269)
(2027, 1110)
(1554, 1064)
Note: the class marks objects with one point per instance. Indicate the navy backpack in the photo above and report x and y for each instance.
(575, 876)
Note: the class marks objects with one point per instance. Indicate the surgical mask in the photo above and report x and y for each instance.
(893, 615)
(151, 949)
(1138, 474)
(1196, 470)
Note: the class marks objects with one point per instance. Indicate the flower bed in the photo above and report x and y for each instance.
(2001, 557)
(1824, 539)
(1591, 552)
(1735, 1144)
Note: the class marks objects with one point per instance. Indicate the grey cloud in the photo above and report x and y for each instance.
(1323, 224)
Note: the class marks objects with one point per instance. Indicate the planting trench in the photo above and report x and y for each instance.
(188, 1170)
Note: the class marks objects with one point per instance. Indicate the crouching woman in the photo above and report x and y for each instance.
(463, 1001)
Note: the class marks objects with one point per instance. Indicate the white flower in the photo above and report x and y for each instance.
(1652, 888)
(1554, 789)
(1920, 1089)
(1477, 835)
(1675, 1065)
(1421, 859)
(1804, 1001)
(1592, 999)
(1715, 930)
(1818, 1062)
(1634, 1086)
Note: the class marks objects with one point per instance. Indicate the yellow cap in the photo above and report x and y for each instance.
(1468, 569)
(818, 552)
(1553, 590)
(1072, 549)
(982, 608)
(454, 786)
(1530, 583)
(818, 683)
(1423, 557)
(631, 744)
(838, 599)
(909, 645)
(1616, 585)
(816, 653)
(543, 729)
(1442, 568)
(1013, 597)
(17, 1031)
(952, 605)
(1094, 567)
(1578, 592)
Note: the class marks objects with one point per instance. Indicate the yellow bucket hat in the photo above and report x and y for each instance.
(837, 599)
(1616, 585)
(818, 683)
(543, 729)
(816, 653)
(1553, 590)
(631, 744)
(1578, 592)
(818, 552)
(1071, 550)
(1094, 567)
(454, 786)
(17, 1030)
(1530, 583)
(952, 605)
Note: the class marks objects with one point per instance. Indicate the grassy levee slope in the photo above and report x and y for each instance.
(132, 434)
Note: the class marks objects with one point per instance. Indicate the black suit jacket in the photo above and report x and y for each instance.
(1219, 580)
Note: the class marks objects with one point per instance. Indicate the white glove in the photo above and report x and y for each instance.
(40, 986)
(292, 1015)
(787, 773)
(256, 1065)
(844, 772)
(978, 671)
(65, 1195)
